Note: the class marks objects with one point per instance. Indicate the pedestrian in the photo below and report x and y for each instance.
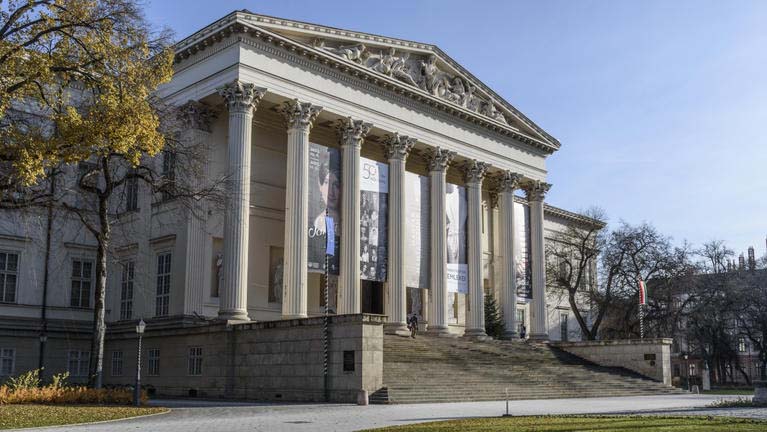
(523, 332)
(412, 324)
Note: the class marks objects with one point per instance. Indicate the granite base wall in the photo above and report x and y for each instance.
(276, 360)
(648, 357)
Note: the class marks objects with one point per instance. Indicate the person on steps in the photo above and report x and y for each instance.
(523, 332)
(412, 324)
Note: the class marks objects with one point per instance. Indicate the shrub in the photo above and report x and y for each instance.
(26, 389)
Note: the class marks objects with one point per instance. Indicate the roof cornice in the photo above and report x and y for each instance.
(243, 23)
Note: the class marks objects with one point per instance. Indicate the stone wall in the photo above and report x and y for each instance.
(648, 357)
(274, 360)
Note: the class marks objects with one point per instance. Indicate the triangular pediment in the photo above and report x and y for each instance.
(421, 67)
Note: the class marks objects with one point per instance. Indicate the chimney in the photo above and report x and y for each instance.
(741, 262)
(751, 259)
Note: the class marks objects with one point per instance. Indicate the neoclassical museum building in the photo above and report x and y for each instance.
(370, 176)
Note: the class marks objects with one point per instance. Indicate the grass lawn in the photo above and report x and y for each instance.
(744, 392)
(585, 423)
(20, 416)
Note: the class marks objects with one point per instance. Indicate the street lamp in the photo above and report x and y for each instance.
(686, 371)
(41, 355)
(137, 391)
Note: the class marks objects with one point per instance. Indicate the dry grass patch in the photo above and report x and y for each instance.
(21, 416)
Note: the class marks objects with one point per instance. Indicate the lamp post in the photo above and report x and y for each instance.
(41, 355)
(137, 390)
(686, 371)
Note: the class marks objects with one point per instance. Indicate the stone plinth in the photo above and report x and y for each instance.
(760, 392)
(648, 357)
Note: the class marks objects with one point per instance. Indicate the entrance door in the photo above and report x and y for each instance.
(372, 297)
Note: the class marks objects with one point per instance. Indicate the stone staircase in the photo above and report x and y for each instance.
(434, 369)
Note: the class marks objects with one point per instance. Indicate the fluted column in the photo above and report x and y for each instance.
(299, 116)
(241, 100)
(536, 191)
(508, 183)
(352, 133)
(397, 149)
(438, 163)
(475, 309)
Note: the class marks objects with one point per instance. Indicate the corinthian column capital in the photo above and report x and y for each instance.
(352, 132)
(300, 115)
(509, 181)
(536, 190)
(475, 171)
(398, 146)
(240, 96)
(439, 159)
(196, 115)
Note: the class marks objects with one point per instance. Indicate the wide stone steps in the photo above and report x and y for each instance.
(430, 369)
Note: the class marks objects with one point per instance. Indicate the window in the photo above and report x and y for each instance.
(7, 360)
(82, 280)
(563, 326)
(162, 301)
(168, 173)
(693, 370)
(195, 361)
(131, 194)
(126, 290)
(9, 267)
(520, 321)
(117, 363)
(77, 363)
(153, 365)
(742, 346)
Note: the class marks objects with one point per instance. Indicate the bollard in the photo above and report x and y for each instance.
(362, 397)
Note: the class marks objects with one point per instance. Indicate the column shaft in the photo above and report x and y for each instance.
(438, 302)
(241, 100)
(508, 292)
(475, 313)
(300, 117)
(538, 322)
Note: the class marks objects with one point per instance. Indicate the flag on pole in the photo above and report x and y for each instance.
(642, 293)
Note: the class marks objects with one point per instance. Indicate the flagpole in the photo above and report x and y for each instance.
(642, 301)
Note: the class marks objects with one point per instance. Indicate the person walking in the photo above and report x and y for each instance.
(412, 324)
(523, 332)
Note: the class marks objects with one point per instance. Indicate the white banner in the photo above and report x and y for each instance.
(417, 247)
(374, 194)
(456, 214)
(522, 250)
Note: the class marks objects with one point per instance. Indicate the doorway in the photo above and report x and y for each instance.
(372, 297)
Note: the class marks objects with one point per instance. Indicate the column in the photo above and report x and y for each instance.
(508, 183)
(475, 309)
(196, 118)
(241, 100)
(535, 194)
(352, 133)
(397, 149)
(299, 116)
(438, 162)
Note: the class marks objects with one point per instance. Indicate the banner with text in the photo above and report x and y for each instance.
(374, 211)
(324, 194)
(456, 216)
(417, 234)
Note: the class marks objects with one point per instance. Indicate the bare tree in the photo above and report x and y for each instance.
(751, 312)
(715, 254)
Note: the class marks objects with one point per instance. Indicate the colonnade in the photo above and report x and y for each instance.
(242, 100)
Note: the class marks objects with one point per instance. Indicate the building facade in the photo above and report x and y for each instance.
(434, 184)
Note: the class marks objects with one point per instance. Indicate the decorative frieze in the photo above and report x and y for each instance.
(439, 159)
(398, 146)
(240, 96)
(299, 115)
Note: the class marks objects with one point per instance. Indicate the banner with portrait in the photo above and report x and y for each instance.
(374, 211)
(417, 234)
(456, 219)
(324, 194)
(522, 252)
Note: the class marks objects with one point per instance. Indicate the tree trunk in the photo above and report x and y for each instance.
(578, 316)
(99, 324)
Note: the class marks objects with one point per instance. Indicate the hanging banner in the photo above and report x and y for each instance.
(324, 195)
(456, 217)
(417, 247)
(522, 251)
(374, 211)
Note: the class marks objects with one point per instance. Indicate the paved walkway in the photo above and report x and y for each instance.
(191, 416)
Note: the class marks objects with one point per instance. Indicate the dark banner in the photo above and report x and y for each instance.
(324, 194)
(374, 196)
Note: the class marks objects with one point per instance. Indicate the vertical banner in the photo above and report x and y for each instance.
(374, 214)
(456, 207)
(524, 271)
(417, 247)
(324, 194)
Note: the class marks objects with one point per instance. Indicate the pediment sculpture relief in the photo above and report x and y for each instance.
(421, 72)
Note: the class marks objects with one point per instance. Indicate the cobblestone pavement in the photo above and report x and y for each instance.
(192, 416)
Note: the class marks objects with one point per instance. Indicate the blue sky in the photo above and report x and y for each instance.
(661, 106)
